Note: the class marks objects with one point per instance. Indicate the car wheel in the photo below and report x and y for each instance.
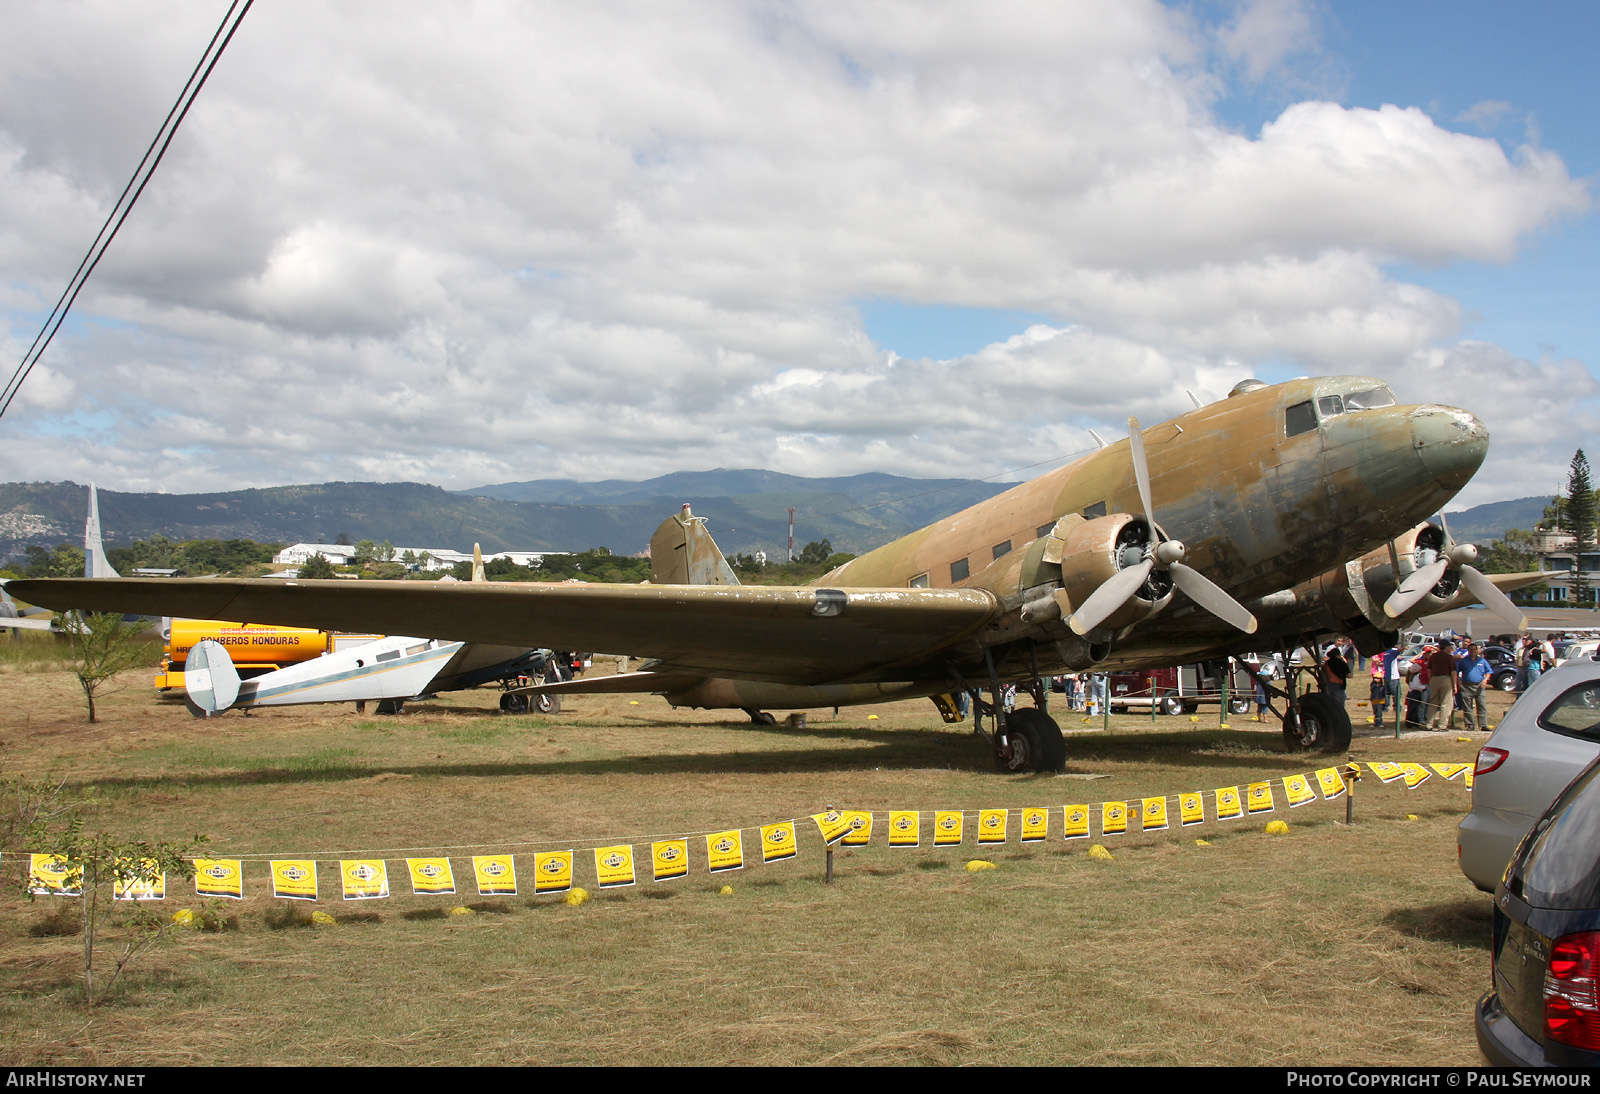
(1506, 680)
(1036, 743)
(1321, 727)
(1172, 706)
(1238, 706)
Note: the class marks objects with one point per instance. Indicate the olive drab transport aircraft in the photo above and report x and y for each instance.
(1264, 520)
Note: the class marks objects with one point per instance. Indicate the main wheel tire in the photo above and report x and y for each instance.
(545, 703)
(1172, 706)
(1238, 706)
(1036, 743)
(513, 703)
(390, 706)
(1322, 727)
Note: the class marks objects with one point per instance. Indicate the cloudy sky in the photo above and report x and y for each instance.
(473, 243)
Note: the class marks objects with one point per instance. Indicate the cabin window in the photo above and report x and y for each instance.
(1330, 406)
(1044, 530)
(1299, 419)
(388, 655)
(1002, 549)
(421, 647)
(959, 571)
(919, 582)
(1098, 509)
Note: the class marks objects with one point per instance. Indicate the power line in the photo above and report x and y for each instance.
(128, 198)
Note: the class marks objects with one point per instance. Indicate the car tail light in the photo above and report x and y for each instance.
(1571, 1003)
(1488, 760)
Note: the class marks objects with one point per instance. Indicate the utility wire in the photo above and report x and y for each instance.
(128, 198)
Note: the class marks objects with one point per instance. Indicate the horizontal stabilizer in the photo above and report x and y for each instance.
(210, 678)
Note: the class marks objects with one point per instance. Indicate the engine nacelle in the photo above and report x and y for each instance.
(1096, 550)
(1381, 576)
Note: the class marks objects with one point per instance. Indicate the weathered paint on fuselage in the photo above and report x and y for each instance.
(1259, 511)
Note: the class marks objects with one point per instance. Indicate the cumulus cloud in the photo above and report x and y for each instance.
(476, 243)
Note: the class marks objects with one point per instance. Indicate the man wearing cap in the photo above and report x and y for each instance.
(1441, 687)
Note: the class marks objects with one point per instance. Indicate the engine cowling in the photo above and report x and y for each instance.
(1094, 552)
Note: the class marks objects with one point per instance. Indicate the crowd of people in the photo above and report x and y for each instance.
(1447, 675)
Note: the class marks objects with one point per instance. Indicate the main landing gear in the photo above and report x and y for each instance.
(1312, 722)
(1033, 743)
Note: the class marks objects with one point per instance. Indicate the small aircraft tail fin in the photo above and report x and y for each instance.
(478, 576)
(682, 552)
(209, 678)
(94, 551)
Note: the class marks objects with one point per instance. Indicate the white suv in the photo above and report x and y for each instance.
(1550, 734)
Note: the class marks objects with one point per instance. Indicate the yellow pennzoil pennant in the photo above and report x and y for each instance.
(431, 876)
(364, 879)
(147, 882)
(1449, 771)
(860, 828)
(778, 841)
(1153, 814)
(1228, 804)
(1191, 809)
(50, 875)
(947, 827)
(1386, 772)
(1035, 824)
(725, 850)
(1298, 790)
(1075, 822)
(222, 877)
(1113, 817)
(905, 828)
(1416, 775)
(992, 825)
(613, 866)
(294, 879)
(1258, 798)
(552, 872)
(496, 874)
(669, 859)
(833, 825)
(1332, 784)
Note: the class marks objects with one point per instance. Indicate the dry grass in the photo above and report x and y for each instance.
(1328, 945)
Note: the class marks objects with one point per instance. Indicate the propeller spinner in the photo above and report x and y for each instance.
(1160, 553)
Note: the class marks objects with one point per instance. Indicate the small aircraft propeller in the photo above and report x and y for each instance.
(1162, 553)
(1459, 557)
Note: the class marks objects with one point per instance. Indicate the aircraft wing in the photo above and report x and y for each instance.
(784, 634)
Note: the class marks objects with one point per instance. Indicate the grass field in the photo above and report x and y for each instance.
(1331, 944)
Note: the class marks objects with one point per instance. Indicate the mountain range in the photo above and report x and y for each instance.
(746, 510)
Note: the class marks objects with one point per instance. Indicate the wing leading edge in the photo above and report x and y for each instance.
(790, 635)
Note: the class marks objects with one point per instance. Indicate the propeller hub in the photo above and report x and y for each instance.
(1463, 554)
(1169, 551)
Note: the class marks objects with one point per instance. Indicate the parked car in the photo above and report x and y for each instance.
(1547, 737)
(1504, 662)
(1182, 690)
(1543, 1008)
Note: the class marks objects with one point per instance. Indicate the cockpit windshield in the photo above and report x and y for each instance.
(1371, 399)
(1300, 418)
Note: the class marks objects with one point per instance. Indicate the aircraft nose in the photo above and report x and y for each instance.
(1451, 443)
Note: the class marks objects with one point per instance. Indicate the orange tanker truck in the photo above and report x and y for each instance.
(255, 648)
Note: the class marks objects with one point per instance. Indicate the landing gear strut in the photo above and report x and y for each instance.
(1033, 743)
(1312, 722)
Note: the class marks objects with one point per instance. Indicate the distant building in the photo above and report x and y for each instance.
(430, 559)
(340, 554)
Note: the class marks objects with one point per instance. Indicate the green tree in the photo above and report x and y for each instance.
(815, 553)
(102, 646)
(96, 862)
(1579, 520)
(65, 561)
(316, 567)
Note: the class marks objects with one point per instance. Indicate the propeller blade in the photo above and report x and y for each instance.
(1206, 593)
(1141, 471)
(1415, 587)
(1490, 596)
(1111, 595)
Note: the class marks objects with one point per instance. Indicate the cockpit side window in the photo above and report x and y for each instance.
(1330, 406)
(1299, 419)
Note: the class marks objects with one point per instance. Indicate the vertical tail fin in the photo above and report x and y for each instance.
(682, 552)
(94, 551)
(478, 576)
